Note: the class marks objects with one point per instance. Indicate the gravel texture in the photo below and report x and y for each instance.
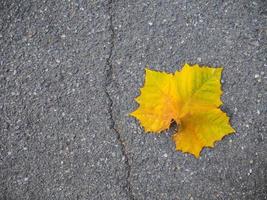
(69, 73)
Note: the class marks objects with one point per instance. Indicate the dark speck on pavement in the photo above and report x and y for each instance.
(69, 73)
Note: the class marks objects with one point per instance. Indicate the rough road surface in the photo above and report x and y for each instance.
(69, 71)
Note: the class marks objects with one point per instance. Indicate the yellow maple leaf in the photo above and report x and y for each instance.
(191, 97)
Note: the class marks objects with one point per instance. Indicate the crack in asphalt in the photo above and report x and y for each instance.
(109, 80)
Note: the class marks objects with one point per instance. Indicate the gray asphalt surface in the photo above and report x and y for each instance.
(69, 73)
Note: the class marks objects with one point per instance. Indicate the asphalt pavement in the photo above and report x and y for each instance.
(69, 73)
